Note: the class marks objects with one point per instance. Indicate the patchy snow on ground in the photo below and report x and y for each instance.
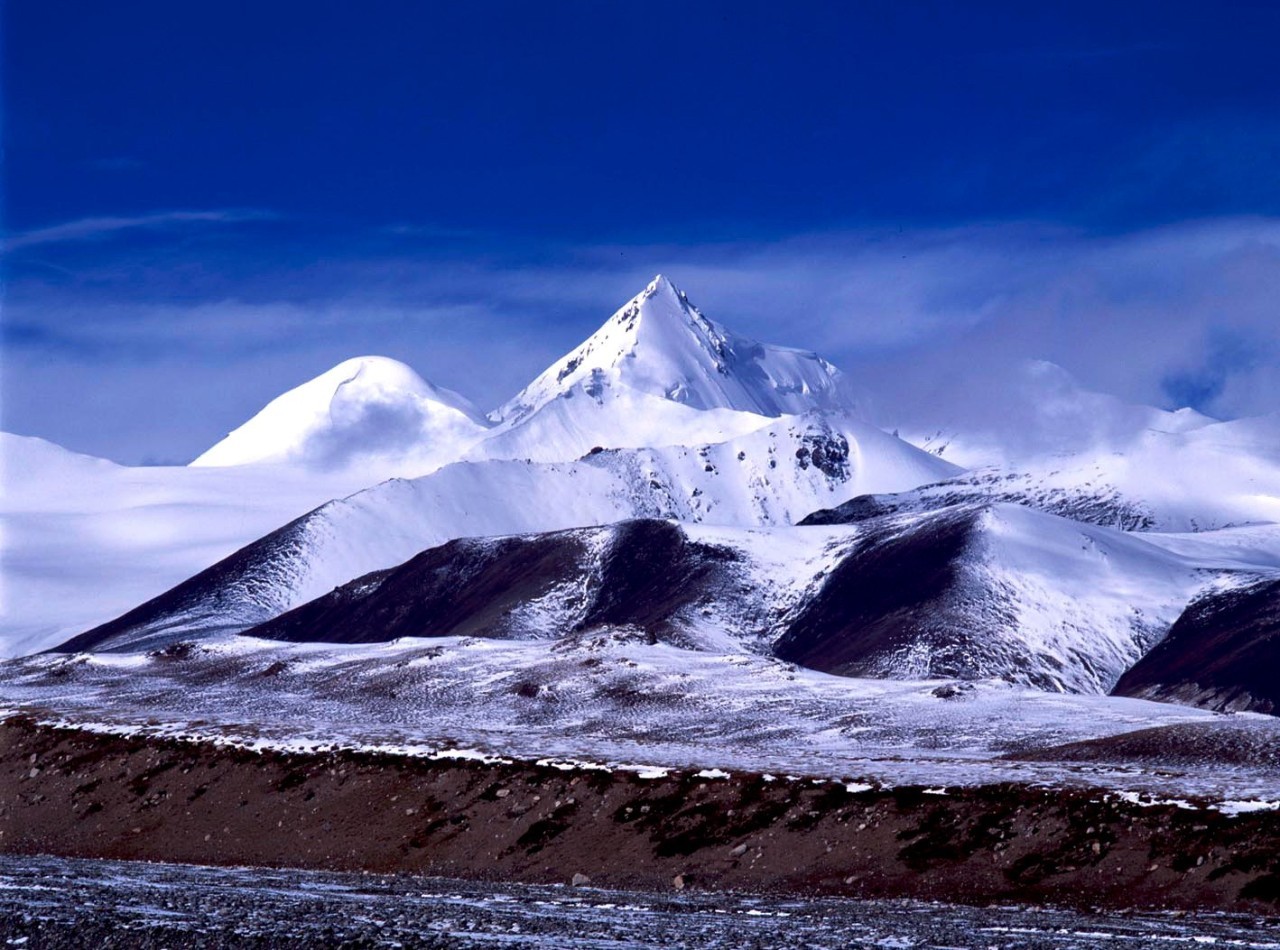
(606, 699)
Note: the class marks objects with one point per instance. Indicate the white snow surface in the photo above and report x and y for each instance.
(1219, 475)
(658, 344)
(1045, 435)
(369, 412)
(82, 539)
(1065, 606)
(1076, 605)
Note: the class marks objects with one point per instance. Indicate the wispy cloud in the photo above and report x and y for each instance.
(1163, 316)
(89, 229)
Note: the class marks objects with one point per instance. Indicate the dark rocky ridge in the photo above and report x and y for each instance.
(1236, 742)
(913, 596)
(908, 599)
(649, 576)
(903, 601)
(904, 587)
(1223, 653)
(1101, 506)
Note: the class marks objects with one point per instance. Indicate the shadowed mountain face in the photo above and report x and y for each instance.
(900, 601)
(1222, 653)
(641, 574)
(901, 596)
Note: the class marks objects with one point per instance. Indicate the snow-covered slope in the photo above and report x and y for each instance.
(968, 592)
(976, 591)
(770, 477)
(370, 412)
(82, 539)
(1207, 477)
(28, 467)
(1211, 476)
(1222, 653)
(698, 588)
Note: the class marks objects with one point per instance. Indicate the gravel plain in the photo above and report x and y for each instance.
(59, 903)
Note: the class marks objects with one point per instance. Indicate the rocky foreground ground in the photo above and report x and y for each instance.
(75, 793)
(68, 904)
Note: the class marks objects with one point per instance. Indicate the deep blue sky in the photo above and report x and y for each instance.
(218, 200)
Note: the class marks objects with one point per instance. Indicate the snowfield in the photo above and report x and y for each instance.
(370, 412)
(83, 539)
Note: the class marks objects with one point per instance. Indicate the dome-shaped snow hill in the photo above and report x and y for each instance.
(367, 410)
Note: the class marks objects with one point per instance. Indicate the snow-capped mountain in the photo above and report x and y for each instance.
(773, 476)
(656, 373)
(969, 592)
(371, 412)
(995, 590)
(1204, 477)
(84, 543)
(1055, 568)
(659, 344)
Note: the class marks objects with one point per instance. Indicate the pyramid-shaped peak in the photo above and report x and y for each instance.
(659, 345)
(661, 298)
(661, 284)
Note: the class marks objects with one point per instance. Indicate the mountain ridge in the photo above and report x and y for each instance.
(656, 370)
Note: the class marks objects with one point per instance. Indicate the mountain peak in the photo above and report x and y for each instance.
(661, 302)
(364, 408)
(660, 345)
(661, 283)
(661, 286)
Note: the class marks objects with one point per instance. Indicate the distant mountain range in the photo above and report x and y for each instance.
(670, 480)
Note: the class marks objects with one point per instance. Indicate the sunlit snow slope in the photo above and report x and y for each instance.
(82, 539)
(370, 412)
(658, 372)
